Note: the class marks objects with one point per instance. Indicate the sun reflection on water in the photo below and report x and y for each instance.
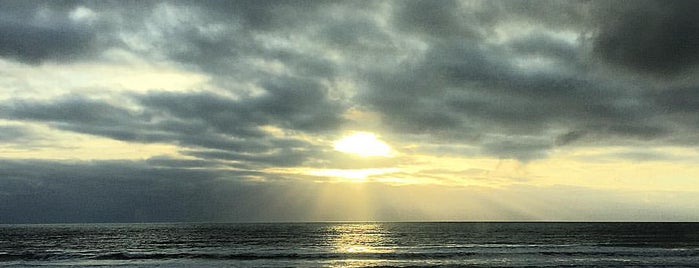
(359, 238)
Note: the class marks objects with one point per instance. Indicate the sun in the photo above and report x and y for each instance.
(362, 144)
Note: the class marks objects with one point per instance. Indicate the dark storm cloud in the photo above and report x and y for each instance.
(460, 80)
(506, 79)
(454, 70)
(438, 18)
(136, 191)
(33, 44)
(542, 82)
(79, 114)
(200, 120)
(56, 191)
(267, 15)
(71, 109)
(479, 93)
(475, 20)
(550, 14)
(118, 191)
(678, 100)
(292, 103)
(355, 34)
(35, 31)
(657, 37)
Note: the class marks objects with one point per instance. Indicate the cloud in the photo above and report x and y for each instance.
(215, 126)
(547, 47)
(14, 133)
(495, 80)
(79, 114)
(70, 109)
(261, 15)
(170, 162)
(476, 91)
(655, 37)
(677, 100)
(455, 71)
(274, 157)
(542, 82)
(35, 31)
(110, 191)
(520, 148)
(443, 19)
(293, 104)
(133, 191)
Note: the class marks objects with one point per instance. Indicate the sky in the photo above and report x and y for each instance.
(239, 111)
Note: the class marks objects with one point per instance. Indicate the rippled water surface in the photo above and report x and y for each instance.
(352, 245)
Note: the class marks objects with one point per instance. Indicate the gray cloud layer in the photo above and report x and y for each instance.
(461, 84)
(215, 127)
(657, 37)
(37, 31)
(514, 79)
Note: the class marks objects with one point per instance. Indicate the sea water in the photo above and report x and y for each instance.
(369, 244)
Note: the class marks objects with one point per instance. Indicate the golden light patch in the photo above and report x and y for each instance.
(94, 79)
(352, 174)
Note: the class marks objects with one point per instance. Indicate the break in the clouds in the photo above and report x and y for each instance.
(190, 110)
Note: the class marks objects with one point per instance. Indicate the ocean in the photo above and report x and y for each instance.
(368, 244)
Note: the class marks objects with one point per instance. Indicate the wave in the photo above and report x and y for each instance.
(425, 252)
(295, 256)
(34, 256)
(582, 253)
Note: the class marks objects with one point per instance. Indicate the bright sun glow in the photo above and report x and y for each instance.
(363, 144)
